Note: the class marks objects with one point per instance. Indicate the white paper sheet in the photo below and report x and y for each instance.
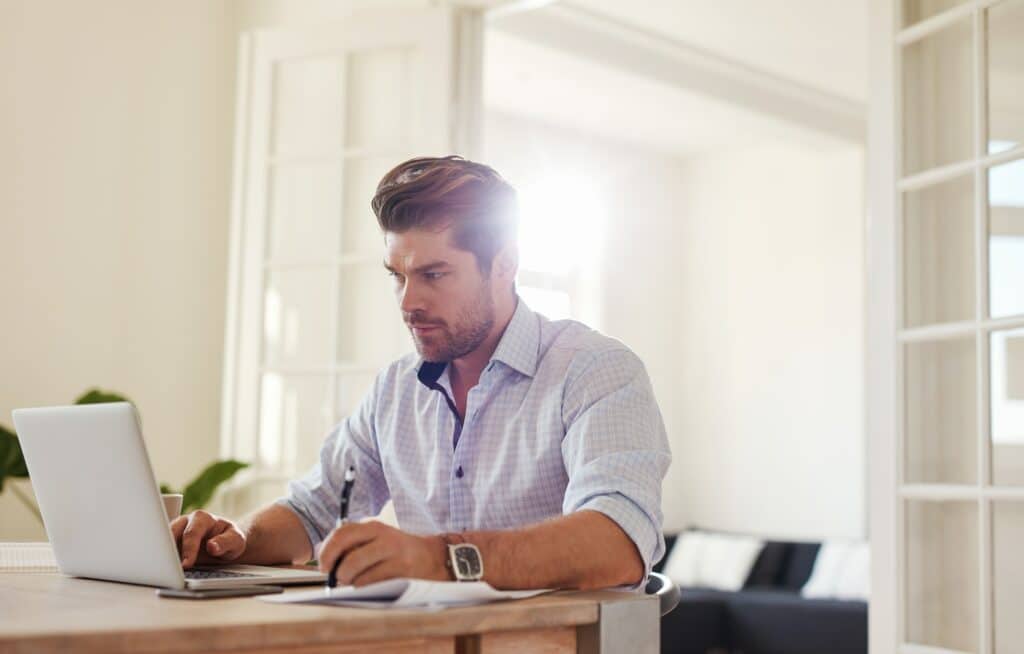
(404, 593)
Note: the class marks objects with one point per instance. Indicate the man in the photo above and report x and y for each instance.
(539, 443)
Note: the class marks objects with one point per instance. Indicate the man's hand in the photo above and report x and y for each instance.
(373, 551)
(206, 538)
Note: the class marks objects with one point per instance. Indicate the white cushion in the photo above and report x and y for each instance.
(718, 561)
(841, 571)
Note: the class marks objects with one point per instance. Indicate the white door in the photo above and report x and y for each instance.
(322, 114)
(946, 326)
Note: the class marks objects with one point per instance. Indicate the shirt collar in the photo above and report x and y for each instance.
(519, 345)
(517, 349)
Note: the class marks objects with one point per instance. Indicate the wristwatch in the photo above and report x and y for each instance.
(464, 562)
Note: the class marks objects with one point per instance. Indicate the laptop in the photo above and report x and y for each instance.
(101, 504)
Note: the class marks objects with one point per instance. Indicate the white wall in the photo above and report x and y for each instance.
(770, 280)
(116, 125)
(737, 278)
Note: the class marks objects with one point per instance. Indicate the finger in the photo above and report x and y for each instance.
(177, 527)
(361, 559)
(198, 524)
(387, 569)
(343, 539)
(225, 541)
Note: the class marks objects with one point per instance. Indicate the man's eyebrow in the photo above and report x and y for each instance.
(427, 267)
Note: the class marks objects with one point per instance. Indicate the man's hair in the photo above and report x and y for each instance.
(438, 192)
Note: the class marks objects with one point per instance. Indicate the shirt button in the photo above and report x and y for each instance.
(458, 472)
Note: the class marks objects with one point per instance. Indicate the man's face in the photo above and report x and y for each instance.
(446, 302)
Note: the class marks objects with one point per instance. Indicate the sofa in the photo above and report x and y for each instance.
(768, 615)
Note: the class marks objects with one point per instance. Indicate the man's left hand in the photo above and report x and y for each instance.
(373, 551)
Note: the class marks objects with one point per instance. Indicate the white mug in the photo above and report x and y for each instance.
(172, 505)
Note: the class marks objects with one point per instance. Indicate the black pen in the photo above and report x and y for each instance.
(346, 492)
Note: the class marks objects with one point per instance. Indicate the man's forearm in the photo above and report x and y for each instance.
(583, 550)
(274, 535)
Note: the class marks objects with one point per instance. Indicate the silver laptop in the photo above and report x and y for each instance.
(102, 507)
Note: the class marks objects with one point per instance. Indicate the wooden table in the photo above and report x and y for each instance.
(42, 613)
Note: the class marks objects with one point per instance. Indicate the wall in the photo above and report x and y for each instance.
(770, 277)
(737, 278)
(114, 188)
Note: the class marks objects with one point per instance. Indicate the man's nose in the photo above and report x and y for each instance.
(410, 298)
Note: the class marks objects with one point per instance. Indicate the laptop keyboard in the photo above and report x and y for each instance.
(214, 573)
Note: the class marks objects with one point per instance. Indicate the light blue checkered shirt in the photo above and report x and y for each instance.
(562, 419)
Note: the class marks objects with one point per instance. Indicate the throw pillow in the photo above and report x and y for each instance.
(716, 561)
(841, 571)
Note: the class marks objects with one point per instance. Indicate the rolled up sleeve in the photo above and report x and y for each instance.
(316, 497)
(615, 448)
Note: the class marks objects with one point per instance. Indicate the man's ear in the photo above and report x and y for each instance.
(506, 262)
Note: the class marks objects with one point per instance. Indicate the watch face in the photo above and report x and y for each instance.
(467, 562)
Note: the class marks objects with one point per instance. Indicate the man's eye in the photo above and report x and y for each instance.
(433, 276)
(395, 276)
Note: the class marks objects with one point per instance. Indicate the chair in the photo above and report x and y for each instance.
(666, 590)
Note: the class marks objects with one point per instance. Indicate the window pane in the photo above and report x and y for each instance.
(1005, 75)
(1007, 536)
(378, 92)
(295, 416)
(307, 106)
(360, 233)
(553, 304)
(1006, 392)
(350, 389)
(305, 210)
(915, 11)
(937, 99)
(297, 317)
(938, 253)
(942, 574)
(941, 412)
(370, 327)
(1006, 239)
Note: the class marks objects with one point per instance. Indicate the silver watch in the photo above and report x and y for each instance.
(464, 562)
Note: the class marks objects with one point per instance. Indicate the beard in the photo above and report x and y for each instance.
(448, 342)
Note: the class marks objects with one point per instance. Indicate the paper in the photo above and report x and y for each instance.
(27, 557)
(404, 593)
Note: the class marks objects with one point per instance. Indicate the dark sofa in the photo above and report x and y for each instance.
(768, 616)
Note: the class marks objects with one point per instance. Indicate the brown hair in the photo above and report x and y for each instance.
(435, 192)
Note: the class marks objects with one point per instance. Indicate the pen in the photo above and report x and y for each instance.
(346, 492)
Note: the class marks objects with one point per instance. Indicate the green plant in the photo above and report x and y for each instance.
(197, 493)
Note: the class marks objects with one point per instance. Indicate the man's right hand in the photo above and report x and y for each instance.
(205, 538)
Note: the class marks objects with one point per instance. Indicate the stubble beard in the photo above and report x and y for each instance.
(472, 325)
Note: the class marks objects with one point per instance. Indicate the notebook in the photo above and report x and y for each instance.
(404, 593)
(27, 557)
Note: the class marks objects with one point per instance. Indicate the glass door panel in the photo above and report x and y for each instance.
(1005, 23)
(914, 11)
(942, 574)
(1006, 393)
(941, 412)
(1006, 239)
(377, 94)
(305, 211)
(1008, 565)
(938, 253)
(296, 317)
(308, 106)
(938, 81)
(295, 416)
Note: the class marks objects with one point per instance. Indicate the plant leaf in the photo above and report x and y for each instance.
(165, 490)
(12, 461)
(200, 491)
(97, 396)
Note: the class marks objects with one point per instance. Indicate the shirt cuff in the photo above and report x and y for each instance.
(634, 521)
